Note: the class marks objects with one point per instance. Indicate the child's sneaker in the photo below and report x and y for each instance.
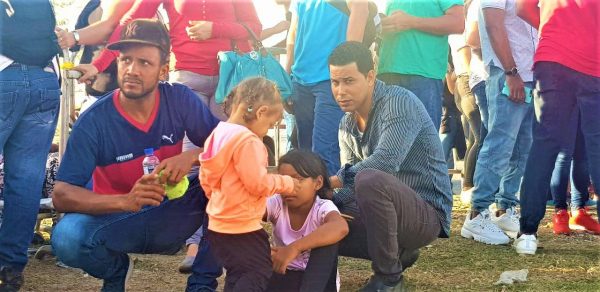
(560, 222)
(581, 220)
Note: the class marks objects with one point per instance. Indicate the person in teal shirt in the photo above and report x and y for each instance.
(414, 49)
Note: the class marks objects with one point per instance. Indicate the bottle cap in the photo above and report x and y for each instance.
(148, 151)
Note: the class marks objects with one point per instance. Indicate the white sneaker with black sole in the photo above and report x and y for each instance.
(482, 229)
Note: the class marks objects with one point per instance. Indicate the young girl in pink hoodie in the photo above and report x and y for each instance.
(235, 179)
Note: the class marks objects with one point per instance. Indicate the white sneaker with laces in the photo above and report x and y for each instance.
(526, 244)
(482, 229)
(508, 222)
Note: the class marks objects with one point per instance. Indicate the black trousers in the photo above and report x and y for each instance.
(320, 274)
(392, 224)
(246, 257)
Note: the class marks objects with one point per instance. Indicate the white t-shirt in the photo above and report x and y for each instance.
(457, 42)
(283, 234)
(478, 73)
(521, 37)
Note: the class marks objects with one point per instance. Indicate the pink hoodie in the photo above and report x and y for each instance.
(233, 174)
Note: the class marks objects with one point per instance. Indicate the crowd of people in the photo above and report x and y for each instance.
(516, 82)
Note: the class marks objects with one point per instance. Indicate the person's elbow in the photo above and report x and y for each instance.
(344, 229)
(58, 197)
(457, 20)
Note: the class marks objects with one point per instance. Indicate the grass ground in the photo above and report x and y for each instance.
(563, 263)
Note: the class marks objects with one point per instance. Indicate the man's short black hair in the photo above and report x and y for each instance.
(353, 52)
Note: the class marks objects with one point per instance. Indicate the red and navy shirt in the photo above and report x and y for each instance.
(108, 145)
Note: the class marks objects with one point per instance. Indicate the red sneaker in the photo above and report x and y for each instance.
(581, 220)
(560, 222)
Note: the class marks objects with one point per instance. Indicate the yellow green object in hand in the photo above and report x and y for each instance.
(178, 190)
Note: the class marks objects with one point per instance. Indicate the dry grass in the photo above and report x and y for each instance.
(563, 263)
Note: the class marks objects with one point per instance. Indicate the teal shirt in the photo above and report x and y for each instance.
(415, 52)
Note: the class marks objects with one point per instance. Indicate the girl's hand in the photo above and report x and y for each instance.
(297, 186)
(282, 256)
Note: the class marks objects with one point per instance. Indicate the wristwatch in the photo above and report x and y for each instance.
(512, 72)
(76, 37)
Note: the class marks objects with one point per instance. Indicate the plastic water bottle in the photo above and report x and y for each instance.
(150, 162)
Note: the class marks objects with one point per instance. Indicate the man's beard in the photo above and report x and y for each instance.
(132, 95)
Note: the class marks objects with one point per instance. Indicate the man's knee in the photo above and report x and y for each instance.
(371, 184)
(68, 238)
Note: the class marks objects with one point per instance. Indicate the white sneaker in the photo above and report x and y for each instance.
(508, 222)
(482, 229)
(526, 244)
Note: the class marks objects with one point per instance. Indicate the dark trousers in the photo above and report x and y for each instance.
(465, 101)
(560, 91)
(393, 220)
(246, 257)
(320, 273)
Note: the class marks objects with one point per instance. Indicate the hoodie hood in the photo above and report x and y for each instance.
(219, 149)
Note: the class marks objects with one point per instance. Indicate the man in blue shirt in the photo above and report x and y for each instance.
(317, 27)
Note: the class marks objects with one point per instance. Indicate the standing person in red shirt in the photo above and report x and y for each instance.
(567, 70)
(199, 29)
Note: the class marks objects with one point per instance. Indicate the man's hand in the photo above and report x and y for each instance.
(145, 192)
(398, 21)
(282, 257)
(517, 88)
(199, 30)
(176, 167)
(335, 182)
(89, 72)
(66, 39)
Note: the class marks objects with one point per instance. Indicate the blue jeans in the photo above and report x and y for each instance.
(502, 158)
(99, 244)
(559, 92)
(318, 120)
(29, 103)
(428, 90)
(571, 163)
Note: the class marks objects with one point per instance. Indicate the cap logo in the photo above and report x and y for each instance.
(131, 28)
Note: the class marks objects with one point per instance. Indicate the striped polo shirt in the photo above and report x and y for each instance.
(400, 139)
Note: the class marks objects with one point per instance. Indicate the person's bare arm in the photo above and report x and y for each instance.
(529, 11)
(357, 20)
(98, 32)
(332, 231)
(452, 22)
(472, 32)
(71, 198)
(494, 25)
(291, 40)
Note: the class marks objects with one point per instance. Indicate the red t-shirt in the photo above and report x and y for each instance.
(195, 56)
(569, 34)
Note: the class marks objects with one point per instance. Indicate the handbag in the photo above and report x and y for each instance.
(234, 67)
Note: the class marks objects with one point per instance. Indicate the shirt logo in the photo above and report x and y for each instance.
(124, 157)
(168, 138)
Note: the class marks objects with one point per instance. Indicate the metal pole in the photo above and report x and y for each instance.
(68, 92)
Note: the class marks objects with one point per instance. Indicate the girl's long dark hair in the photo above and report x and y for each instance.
(308, 164)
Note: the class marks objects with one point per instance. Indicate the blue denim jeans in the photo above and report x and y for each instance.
(428, 90)
(571, 163)
(502, 158)
(99, 244)
(559, 92)
(29, 103)
(318, 120)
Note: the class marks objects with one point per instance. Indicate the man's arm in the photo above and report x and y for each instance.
(472, 35)
(452, 22)
(72, 198)
(291, 41)
(357, 20)
(398, 135)
(529, 11)
(494, 25)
